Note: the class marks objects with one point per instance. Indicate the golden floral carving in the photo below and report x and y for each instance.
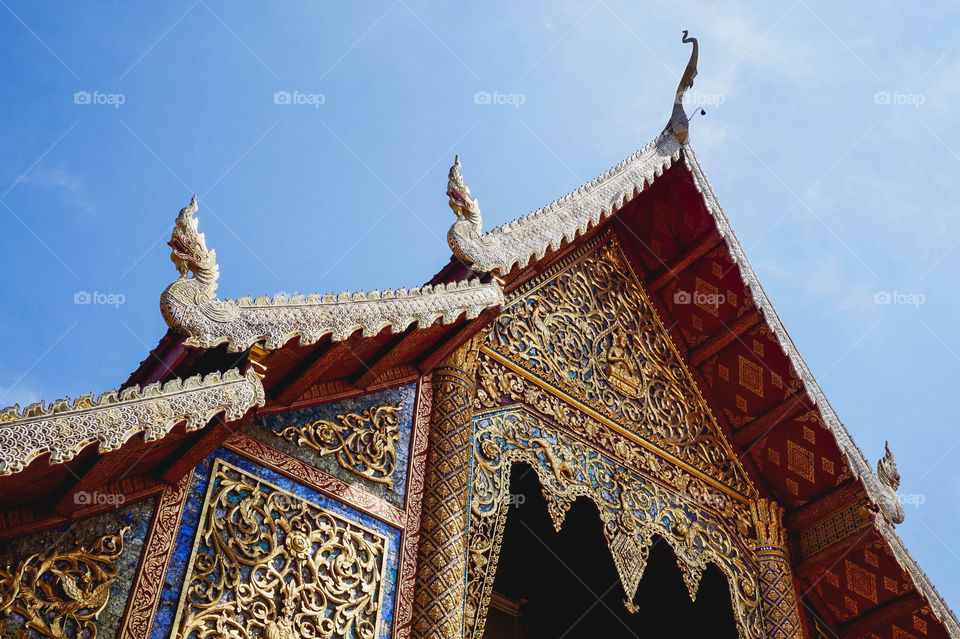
(633, 509)
(61, 594)
(267, 563)
(587, 329)
(501, 387)
(363, 443)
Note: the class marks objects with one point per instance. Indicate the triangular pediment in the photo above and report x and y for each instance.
(587, 330)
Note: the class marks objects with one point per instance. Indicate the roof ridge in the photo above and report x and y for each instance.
(516, 243)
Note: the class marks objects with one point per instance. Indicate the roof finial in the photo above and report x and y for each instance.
(461, 201)
(189, 254)
(679, 123)
(890, 505)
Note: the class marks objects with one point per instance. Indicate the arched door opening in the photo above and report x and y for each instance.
(564, 585)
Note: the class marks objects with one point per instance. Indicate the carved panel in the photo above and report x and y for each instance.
(268, 563)
(634, 510)
(61, 593)
(587, 329)
(363, 443)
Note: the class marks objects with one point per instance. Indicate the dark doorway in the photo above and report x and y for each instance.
(565, 584)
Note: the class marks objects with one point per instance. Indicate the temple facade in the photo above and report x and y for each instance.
(590, 422)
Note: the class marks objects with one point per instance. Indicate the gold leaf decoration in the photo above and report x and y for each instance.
(587, 329)
(634, 511)
(364, 443)
(267, 563)
(60, 594)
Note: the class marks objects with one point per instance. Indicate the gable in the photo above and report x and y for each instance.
(587, 331)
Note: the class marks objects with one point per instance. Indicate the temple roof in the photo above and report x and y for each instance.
(395, 335)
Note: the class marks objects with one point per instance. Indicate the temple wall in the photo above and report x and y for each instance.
(324, 499)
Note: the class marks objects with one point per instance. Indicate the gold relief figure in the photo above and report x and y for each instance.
(267, 563)
(587, 329)
(61, 594)
(364, 443)
(622, 373)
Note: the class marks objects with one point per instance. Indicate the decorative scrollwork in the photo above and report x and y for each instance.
(269, 564)
(633, 511)
(588, 329)
(64, 429)
(364, 443)
(61, 594)
(503, 388)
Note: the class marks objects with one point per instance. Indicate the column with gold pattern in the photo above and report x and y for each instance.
(781, 616)
(442, 558)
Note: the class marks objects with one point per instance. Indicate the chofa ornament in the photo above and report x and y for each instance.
(679, 122)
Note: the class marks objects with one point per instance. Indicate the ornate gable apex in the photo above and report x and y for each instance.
(586, 330)
(529, 245)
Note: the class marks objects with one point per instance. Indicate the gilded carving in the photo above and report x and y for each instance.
(781, 614)
(407, 571)
(60, 594)
(633, 510)
(442, 557)
(267, 563)
(501, 387)
(158, 548)
(588, 329)
(363, 443)
(189, 304)
(63, 430)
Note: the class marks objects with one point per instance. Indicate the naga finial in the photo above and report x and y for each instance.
(461, 201)
(679, 123)
(887, 469)
(890, 505)
(189, 254)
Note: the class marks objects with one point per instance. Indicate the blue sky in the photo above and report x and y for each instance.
(830, 138)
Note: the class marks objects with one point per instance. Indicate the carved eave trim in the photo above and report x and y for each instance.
(64, 429)
(277, 321)
(920, 579)
(878, 494)
(530, 237)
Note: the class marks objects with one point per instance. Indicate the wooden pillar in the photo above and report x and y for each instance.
(442, 558)
(778, 598)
